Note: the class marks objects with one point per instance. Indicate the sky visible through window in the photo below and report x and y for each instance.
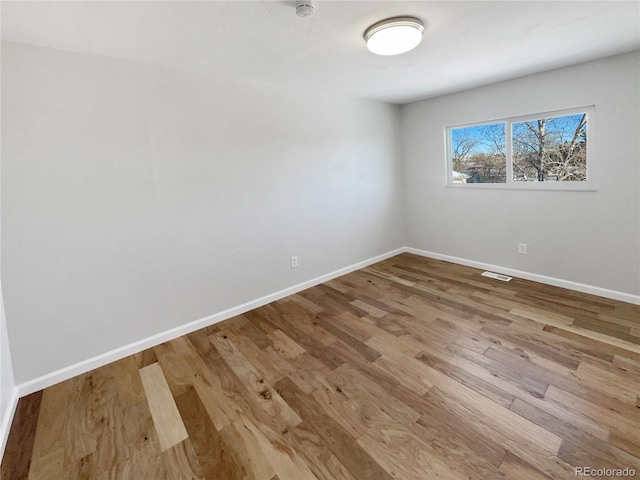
(478, 153)
(477, 139)
(481, 137)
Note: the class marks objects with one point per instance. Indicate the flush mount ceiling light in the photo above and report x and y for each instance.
(394, 35)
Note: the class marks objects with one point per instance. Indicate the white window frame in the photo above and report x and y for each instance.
(588, 185)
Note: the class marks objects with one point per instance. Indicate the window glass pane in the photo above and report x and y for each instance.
(478, 154)
(550, 149)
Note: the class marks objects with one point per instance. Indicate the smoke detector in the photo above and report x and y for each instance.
(304, 8)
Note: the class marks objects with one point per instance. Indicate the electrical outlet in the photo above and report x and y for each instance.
(522, 248)
(294, 262)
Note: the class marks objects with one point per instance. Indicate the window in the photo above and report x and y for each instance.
(547, 150)
(478, 154)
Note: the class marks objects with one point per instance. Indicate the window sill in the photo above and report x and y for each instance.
(523, 186)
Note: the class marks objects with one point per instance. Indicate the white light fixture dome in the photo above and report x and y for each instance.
(394, 36)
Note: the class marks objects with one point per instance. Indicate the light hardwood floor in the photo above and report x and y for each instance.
(409, 369)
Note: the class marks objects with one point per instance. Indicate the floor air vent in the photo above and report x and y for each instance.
(497, 276)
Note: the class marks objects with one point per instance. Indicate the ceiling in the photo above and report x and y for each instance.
(466, 44)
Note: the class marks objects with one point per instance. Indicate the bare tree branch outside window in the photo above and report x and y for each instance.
(550, 149)
(478, 153)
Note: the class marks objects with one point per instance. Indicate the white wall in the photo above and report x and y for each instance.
(7, 385)
(8, 389)
(136, 199)
(586, 237)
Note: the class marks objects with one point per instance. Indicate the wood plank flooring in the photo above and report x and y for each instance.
(409, 369)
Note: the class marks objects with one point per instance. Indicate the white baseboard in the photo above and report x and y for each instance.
(556, 282)
(7, 420)
(116, 354)
(79, 368)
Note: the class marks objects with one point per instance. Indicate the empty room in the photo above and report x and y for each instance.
(320, 239)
